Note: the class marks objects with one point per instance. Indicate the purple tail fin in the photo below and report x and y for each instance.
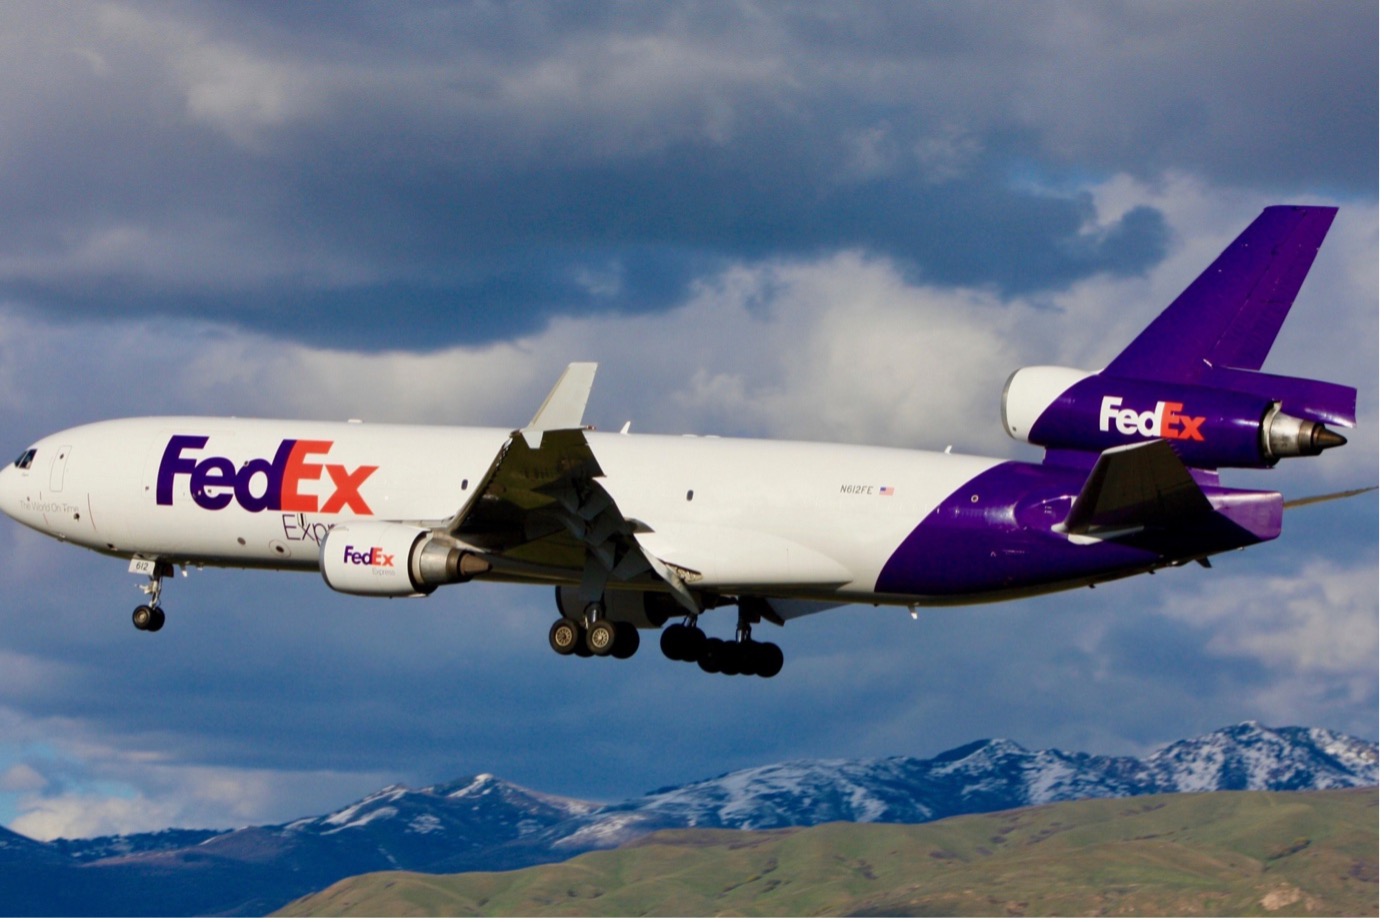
(1192, 376)
(1229, 317)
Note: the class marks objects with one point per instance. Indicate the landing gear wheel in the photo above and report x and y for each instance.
(710, 659)
(693, 644)
(565, 636)
(144, 618)
(735, 657)
(673, 641)
(600, 637)
(768, 660)
(626, 640)
(157, 623)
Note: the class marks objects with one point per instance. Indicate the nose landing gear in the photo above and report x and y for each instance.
(150, 617)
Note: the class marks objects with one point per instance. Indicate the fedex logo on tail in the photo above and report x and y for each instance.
(284, 483)
(1165, 420)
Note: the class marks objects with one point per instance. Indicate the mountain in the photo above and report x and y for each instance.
(1225, 853)
(485, 823)
(252, 871)
(983, 777)
(88, 850)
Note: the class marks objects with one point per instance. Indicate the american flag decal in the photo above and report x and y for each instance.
(886, 491)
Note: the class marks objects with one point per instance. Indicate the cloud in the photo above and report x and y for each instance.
(460, 169)
(21, 777)
(144, 796)
(1318, 624)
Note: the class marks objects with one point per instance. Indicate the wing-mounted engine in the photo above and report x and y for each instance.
(1208, 426)
(395, 559)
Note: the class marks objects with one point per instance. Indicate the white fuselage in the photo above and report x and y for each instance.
(804, 519)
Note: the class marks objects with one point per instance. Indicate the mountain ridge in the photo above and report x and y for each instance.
(485, 823)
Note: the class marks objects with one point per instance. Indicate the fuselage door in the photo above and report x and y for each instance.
(59, 470)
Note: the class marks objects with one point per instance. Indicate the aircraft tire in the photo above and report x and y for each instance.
(710, 657)
(143, 616)
(626, 640)
(673, 641)
(768, 660)
(157, 623)
(601, 637)
(693, 643)
(565, 636)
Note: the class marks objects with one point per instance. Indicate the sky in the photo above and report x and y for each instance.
(837, 222)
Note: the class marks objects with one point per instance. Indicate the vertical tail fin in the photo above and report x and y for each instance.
(1192, 376)
(1230, 316)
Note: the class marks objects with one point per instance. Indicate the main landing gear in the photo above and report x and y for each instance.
(150, 617)
(742, 656)
(594, 635)
(590, 631)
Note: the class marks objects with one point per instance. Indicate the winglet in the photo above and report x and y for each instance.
(1134, 486)
(565, 403)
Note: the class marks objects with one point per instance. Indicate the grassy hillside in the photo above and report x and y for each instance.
(1242, 853)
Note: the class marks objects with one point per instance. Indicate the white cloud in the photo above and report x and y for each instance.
(1316, 629)
(110, 792)
(21, 777)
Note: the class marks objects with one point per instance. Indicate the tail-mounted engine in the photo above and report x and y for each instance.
(391, 559)
(1253, 422)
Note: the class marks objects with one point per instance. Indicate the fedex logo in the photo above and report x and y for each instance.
(1163, 420)
(280, 484)
(370, 557)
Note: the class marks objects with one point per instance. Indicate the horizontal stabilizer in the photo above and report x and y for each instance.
(1329, 497)
(1135, 486)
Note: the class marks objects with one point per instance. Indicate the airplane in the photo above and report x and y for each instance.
(653, 531)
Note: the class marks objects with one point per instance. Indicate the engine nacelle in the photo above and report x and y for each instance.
(642, 609)
(392, 559)
(1209, 427)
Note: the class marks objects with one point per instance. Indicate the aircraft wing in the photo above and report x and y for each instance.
(541, 511)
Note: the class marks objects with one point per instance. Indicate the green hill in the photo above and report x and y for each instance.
(1227, 853)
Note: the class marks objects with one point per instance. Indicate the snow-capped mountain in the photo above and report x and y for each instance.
(485, 823)
(1250, 757)
(167, 840)
(432, 827)
(984, 776)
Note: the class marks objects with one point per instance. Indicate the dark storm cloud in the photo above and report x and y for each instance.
(377, 176)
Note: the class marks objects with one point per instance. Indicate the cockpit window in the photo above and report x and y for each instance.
(25, 460)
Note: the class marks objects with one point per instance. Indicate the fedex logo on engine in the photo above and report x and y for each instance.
(369, 557)
(1165, 420)
(284, 483)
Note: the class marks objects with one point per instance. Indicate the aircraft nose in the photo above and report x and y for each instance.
(9, 501)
